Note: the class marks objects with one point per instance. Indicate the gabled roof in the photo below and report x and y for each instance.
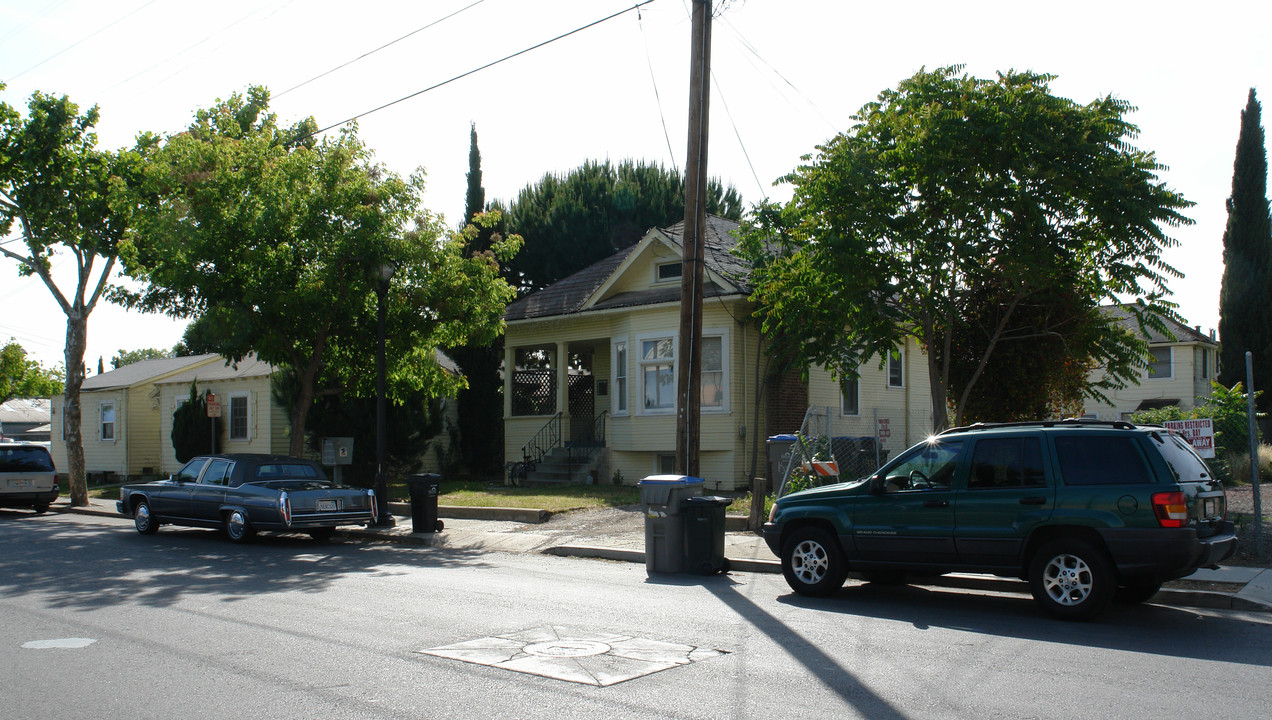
(1182, 333)
(25, 410)
(249, 367)
(578, 292)
(145, 371)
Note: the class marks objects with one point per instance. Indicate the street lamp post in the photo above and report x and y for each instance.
(381, 441)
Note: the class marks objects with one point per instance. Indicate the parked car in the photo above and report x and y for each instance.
(244, 493)
(1084, 511)
(27, 476)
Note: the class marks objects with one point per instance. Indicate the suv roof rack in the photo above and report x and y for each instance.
(1067, 422)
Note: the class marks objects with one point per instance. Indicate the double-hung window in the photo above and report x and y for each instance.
(850, 396)
(240, 417)
(896, 368)
(107, 410)
(620, 378)
(712, 373)
(658, 373)
(1160, 367)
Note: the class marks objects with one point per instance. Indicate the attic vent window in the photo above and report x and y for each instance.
(667, 271)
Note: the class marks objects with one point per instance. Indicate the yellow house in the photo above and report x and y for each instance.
(1182, 368)
(591, 385)
(251, 422)
(120, 418)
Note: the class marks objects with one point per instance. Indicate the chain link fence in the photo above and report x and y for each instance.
(831, 447)
(1221, 428)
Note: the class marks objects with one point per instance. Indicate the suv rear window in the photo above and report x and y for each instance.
(25, 459)
(1100, 460)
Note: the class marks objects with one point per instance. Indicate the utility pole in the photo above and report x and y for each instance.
(689, 360)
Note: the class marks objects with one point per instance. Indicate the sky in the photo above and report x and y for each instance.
(787, 75)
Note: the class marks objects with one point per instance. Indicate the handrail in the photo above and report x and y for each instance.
(548, 437)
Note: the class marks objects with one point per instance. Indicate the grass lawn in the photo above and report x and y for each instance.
(476, 493)
(480, 493)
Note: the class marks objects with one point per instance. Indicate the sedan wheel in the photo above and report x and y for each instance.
(237, 528)
(1071, 579)
(812, 562)
(143, 520)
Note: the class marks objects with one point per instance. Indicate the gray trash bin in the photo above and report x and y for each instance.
(662, 497)
(778, 449)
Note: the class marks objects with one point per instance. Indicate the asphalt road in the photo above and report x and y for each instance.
(97, 621)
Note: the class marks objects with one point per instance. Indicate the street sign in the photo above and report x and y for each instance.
(214, 406)
(1199, 433)
(884, 431)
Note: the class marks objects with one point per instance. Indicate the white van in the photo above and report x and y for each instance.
(27, 476)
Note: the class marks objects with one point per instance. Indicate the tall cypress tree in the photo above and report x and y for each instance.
(1245, 298)
(480, 405)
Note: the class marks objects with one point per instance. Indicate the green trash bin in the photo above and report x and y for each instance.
(704, 534)
(663, 497)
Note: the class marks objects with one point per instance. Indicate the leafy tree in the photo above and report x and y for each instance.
(480, 405)
(948, 184)
(64, 196)
(1245, 296)
(572, 220)
(128, 357)
(23, 378)
(276, 242)
(411, 421)
(192, 429)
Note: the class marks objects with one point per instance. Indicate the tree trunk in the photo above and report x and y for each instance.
(72, 415)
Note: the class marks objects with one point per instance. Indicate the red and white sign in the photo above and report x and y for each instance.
(214, 406)
(884, 431)
(1199, 433)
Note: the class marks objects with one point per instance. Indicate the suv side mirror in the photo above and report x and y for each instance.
(877, 485)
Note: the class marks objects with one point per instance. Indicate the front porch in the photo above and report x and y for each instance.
(556, 407)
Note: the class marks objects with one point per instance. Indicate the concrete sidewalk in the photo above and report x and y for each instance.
(514, 530)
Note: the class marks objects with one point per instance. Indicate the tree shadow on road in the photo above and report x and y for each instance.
(1154, 629)
(82, 566)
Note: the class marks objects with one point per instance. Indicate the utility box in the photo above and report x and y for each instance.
(663, 497)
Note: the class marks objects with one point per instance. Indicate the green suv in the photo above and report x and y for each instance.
(1082, 510)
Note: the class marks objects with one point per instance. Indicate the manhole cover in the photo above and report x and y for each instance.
(575, 655)
(567, 648)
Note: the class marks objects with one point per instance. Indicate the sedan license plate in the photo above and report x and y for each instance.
(327, 506)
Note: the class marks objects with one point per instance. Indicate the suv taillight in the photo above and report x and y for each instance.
(1171, 509)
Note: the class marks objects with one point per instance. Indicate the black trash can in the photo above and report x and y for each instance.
(704, 534)
(424, 490)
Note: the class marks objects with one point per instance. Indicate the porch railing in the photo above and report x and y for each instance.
(548, 437)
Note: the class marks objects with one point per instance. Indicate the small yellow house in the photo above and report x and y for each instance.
(251, 422)
(121, 415)
(1182, 368)
(592, 380)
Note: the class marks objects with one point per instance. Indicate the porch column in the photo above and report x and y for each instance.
(510, 372)
(563, 379)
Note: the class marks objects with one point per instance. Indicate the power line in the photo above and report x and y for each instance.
(745, 154)
(372, 52)
(483, 67)
(657, 98)
(746, 44)
(187, 49)
(93, 34)
(38, 14)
